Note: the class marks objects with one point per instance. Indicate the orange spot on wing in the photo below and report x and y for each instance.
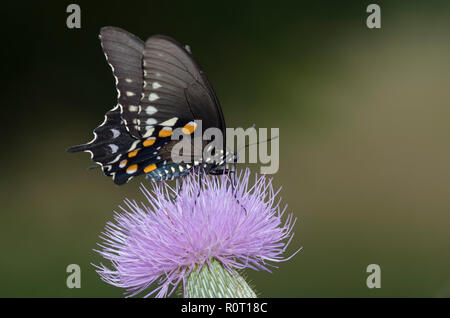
(133, 153)
(150, 168)
(165, 132)
(149, 142)
(132, 169)
(123, 163)
(189, 128)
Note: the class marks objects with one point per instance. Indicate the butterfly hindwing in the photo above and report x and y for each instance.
(142, 159)
(111, 140)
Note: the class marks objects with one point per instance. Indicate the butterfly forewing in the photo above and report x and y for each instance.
(123, 52)
(175, 91)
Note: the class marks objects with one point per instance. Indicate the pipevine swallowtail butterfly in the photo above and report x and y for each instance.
(160, 87)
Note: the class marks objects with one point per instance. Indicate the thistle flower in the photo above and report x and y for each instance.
(200, 236)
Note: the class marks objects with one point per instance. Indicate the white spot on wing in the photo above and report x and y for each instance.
(115, 133)
(156, 85)
(151, 121)
(150, 110)
(113, 147)
(152, 97)
(169, 122)
(149, 131)
(129, 93)
(133, 146)
(115, 159)
(95, 134)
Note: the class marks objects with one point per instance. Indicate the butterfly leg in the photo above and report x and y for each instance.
(234, 184)
(180, 188)
(200, 179)
(200, 183)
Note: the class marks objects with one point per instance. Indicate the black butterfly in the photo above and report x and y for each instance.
(160, 87)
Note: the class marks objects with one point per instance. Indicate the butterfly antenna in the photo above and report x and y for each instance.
(258, 142)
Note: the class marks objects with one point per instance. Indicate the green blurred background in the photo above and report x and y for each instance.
(364, 136)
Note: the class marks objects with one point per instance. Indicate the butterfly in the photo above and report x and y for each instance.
(160, 88)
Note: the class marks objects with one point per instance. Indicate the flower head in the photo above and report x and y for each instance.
(175, 232)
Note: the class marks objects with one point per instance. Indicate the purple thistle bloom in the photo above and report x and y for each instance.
(161, 242)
